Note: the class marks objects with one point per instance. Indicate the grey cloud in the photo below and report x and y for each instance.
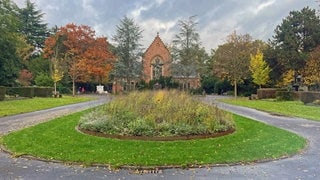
(216, 18)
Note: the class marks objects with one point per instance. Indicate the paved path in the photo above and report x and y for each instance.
(302, 166)
(10, 123)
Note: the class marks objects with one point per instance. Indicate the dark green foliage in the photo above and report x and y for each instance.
(43, 80)
(32, 26)
(309, 97)
(21, 91)
(128, 51)
(38, 66)
(164, 82)
(142, 85)
(247, 88)
(285, 95)
(2, 93)
(9, 61)
(30, 91)
(298, 34)
(277, 69)
(208, 84)
(63, 89)
(43, 91)
(222, 86)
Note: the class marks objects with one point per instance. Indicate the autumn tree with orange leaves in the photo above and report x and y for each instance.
(86, 58)
(98, 61)
(311, 72)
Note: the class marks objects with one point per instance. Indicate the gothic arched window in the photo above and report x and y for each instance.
(157, 68)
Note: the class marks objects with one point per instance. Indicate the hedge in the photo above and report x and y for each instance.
(30, 91)
(285, 95)
(2, 93)
(43, 91)
(21, 91)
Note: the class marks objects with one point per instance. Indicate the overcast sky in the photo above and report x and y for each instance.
(216, 18)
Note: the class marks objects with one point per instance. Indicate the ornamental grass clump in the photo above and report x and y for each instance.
(157, 113)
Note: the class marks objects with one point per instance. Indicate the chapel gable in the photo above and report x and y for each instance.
(156, 60)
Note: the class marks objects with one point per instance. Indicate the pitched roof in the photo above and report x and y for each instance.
(156, 40)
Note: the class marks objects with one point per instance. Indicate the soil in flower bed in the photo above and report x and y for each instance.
(147, 138)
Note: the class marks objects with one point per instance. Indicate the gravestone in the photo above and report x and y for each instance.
(100, 89)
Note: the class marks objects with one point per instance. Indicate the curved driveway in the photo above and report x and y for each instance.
(301, 166)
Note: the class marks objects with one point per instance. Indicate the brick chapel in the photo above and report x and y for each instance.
(157, 61)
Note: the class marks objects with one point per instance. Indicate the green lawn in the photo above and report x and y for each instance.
(288, 108)
(28, 105)
(58, 139)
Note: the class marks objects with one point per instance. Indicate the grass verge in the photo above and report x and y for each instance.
(58, 139)
(29, 105)
(288, 108)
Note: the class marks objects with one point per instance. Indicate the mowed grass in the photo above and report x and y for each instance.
(28, 105)
(288, 108)
(58, 139)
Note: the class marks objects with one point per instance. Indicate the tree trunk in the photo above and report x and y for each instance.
(235, 89)
(73, 88)
(55, 88)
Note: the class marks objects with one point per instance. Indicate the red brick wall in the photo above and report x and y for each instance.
(156, 49)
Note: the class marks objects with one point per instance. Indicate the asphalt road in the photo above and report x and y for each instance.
(302, 166)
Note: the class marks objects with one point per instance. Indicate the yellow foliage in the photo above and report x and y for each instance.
(57, 73)
(259, 69)
(287, 78)
(24, 50)
(159, 96)
(312, 69)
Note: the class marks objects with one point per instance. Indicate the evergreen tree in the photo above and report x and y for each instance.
(32, 26)
(295, 37)
(128, 51)
(189, 59)
(9, 39)
(184, 45)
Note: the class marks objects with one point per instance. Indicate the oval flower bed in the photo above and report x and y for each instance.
(157, 115)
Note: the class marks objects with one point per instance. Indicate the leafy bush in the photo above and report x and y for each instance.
(43, 80)
(140, 127)
(208, 84)
(164, 82)
(222, 86)
(284, 96)
(157, 113)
